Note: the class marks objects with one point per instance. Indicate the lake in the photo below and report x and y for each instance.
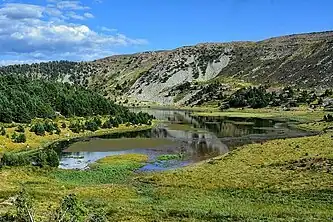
(187, 139)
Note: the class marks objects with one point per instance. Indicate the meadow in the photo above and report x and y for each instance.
(278, 180)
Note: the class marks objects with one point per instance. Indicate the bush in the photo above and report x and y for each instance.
(115, 123)
(41, 159)
(20, 129)
(107, 125)
(52, 158)
(91, 125)
(76, 127)
(50, 126)
(98, 121)
(14, 159)
(58, 131)
(19, 138)
(47, 157)
(328, 118)
(2, 131)
(38, 129)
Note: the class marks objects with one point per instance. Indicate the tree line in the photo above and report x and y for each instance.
(22, 99)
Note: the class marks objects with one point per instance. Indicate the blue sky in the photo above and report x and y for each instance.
(43, 30)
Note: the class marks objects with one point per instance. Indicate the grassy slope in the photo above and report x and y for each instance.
(255, 182)
(252, 183)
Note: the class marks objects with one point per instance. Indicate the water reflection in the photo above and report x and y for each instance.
(196, 138)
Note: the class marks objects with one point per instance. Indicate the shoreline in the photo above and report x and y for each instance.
(75, 136)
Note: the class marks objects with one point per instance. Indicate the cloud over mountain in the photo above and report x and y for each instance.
(54, 31)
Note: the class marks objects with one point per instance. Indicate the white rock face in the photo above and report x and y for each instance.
(214, 68)
(182, 66)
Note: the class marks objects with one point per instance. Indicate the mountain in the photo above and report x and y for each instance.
(195, 74)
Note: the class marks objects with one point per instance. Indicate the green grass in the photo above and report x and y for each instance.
(179, 97)
(252, 183)
(113, 169)
(167, 157)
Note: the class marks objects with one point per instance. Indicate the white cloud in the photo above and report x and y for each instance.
(106, 29)
(42, 33)
(53, 11)
(73, 15)
(88, 15)
(21, 11)
(71, 5)
(12, 62)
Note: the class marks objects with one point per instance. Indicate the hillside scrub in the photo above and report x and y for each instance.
(260, 97)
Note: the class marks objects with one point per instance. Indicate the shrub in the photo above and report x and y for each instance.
(19, 138)
(38, 129)
(115, 123)
(76, 127)
(2, 131)
(50, 126)
(328, 118)
(107, 125)
(20, 129)
(14, 159)
(91, 125)
(52, 158)
(47, 158)
(98, 121)
(58, 131)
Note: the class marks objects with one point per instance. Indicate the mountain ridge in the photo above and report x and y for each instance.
(182, 75)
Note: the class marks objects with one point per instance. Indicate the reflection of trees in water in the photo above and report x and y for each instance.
(222, 126)
(194, 144)
(160, 133)
(200, 146)
(195, 135)
(226, 127)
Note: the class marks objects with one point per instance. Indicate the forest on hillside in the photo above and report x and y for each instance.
(22, 99)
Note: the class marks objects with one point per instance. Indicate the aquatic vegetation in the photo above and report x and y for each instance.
(167, 157)
(112, 169)
(122, 159)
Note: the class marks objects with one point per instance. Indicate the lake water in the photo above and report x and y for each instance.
(192, 138)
